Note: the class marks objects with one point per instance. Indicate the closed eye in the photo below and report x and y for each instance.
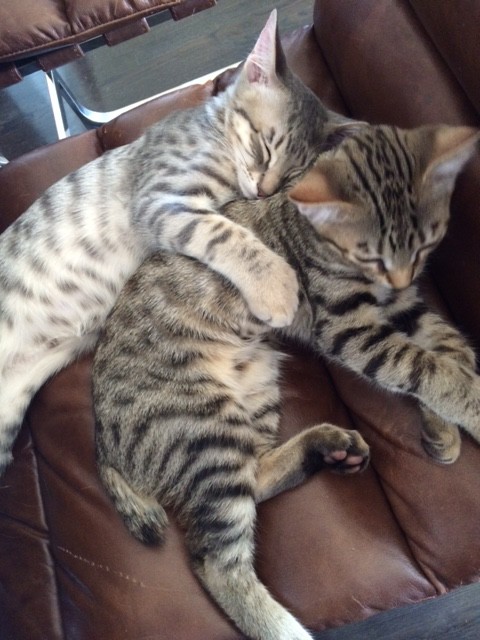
(424, 251)
(260, 154)
(374, 262)
(267, 154)
(430, 246)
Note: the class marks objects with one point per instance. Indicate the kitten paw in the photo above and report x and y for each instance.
(341, 450)
(440, 439)
(344, 462)
(274, 298)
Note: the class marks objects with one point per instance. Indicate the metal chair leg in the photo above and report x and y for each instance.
(58, 106)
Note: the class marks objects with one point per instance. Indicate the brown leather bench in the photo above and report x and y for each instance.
(336, 550)
(44, 34)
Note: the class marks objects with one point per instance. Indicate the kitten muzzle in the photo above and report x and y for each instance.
(400, 278)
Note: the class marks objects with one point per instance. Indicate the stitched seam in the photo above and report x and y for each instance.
(102, 567)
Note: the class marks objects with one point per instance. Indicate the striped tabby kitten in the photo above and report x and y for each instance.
(64, 261)
(185, 380)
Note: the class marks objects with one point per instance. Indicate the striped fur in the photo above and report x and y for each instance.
(187, 404)
(64, 261)
(380, 205)
(185, 378)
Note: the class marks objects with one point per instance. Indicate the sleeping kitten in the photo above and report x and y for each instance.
(380, 206)
(185, 381)
(64, 261)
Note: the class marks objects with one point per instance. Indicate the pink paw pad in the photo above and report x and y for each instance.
(354, 462)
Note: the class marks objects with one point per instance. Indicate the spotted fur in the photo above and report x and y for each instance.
(64, 261)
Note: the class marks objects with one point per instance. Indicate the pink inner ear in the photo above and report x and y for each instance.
(260, 64)
(313, 188)
(254, 72)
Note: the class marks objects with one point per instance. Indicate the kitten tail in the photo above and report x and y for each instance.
(144, 517)
(236, 588)
(227, 572)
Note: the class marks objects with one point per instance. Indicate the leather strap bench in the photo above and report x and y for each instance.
(44, 34)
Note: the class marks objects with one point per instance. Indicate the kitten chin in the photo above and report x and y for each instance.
(384, 293)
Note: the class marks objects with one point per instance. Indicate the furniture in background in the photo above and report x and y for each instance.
(337, 550)
(45, 35)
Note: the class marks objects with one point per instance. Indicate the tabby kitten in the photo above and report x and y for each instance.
(187, 404)
(380, 205)
(64, 261)
(185, 380)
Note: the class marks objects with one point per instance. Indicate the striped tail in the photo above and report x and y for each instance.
(222, 552)
(220, 539)
(247, 602)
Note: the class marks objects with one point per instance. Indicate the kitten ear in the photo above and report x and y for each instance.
(315, 198)
(337, 128)
(267, 58)
(451, 149)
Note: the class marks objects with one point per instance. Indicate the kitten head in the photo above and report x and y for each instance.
(274, 122)
(381, 199)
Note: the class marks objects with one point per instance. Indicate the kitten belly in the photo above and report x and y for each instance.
(247, 370)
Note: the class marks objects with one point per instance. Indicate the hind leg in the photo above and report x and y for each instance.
(20, 380)
(322, 446)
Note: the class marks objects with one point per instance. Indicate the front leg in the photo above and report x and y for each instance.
(388, 357)
(441, 439)
(429, 330)
(266, 281)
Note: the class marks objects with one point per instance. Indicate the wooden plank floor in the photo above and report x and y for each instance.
(170, 54)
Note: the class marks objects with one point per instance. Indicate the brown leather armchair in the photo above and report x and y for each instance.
(337, 549)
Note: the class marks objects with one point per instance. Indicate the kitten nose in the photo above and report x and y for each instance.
(260, 192)
(400, 278)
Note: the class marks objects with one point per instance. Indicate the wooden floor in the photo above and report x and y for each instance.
(171, 54)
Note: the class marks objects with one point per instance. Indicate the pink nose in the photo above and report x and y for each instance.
(400, 278)
(261, 193)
